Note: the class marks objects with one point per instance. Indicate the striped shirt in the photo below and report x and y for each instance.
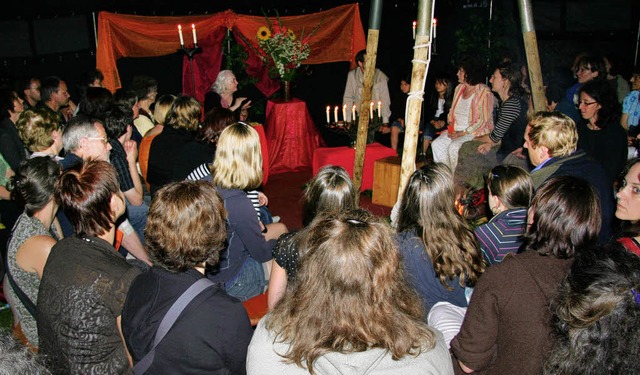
(502, 235)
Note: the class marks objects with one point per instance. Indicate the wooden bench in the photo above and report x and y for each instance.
(386, 180)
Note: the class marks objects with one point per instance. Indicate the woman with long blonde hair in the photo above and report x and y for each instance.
(245, 264)
(350, 310)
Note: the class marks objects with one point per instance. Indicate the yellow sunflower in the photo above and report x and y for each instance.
(263, 33)
(291, 34)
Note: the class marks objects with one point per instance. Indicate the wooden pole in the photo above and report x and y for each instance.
(533, 57)
(369, 71)
(421, 57)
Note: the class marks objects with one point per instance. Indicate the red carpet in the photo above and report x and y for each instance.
(284, 191)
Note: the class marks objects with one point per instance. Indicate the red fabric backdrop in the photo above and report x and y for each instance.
(339, 38)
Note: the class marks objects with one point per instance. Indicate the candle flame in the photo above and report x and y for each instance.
(415, 23)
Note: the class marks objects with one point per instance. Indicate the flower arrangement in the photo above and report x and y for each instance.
(281, 49)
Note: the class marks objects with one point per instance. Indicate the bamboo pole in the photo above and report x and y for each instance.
(421, 58)
(369, 71)
(533, 57)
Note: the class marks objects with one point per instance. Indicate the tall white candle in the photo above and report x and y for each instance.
(371, 111)
(379, 108)
(344, 113)
(353, 113)
(180, 34)
(328, 114)
(193, 31)
(335, 114)
(414, 29)
(435, 26)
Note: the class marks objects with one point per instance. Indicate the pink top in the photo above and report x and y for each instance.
(481, 110)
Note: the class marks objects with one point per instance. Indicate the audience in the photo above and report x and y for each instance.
(630, 118)
(510, 190)
(350, 310)
(186, 231)
(85, 281)
(507, 328)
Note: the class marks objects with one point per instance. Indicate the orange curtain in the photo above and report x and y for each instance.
(339, 38)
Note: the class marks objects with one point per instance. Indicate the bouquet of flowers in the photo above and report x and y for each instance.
(280, 48)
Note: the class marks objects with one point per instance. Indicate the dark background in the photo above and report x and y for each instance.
(57, 37)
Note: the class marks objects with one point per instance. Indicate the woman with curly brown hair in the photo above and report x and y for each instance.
(597, 315)
(350, 311)
(186, 230)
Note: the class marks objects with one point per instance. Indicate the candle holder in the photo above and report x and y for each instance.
(190, 52)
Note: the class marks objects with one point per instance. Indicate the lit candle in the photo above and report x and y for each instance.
(414, 29)
(344, 113)
(379, 108)
(371, 110)
(353, 113)
(435, 25)
(180, 34)
(328, 114)
(193, 31)
(335, 113)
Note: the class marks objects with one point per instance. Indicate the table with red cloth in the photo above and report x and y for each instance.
(344, 157)
(291, 135)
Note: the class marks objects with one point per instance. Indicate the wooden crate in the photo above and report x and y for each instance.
(386, 180)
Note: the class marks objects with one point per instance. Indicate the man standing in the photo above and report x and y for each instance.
(31, 93)
(551, 139)
(380, 92)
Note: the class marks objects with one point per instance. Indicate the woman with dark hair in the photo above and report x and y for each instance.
(350, 310)
(628, 207)
(486, 151)
(146, 89)
(186, 231)
(96, 103)
(510, 189)
(180, 125)
(509, 309)
(331, 190)
(220, 95)
(601, 128)
(33, 236)
(471, 113)
(440, 252)
(11, 147)
(439, 106)
(203, 147)
(597, 315)
(85, 281)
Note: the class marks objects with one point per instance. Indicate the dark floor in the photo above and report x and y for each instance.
(284, 191)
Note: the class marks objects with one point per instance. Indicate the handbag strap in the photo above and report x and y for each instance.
(169, 319)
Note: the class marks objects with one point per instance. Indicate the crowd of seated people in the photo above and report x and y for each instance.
(101, 267)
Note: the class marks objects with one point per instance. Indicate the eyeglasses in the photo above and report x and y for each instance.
(105, 140)
(585, 103)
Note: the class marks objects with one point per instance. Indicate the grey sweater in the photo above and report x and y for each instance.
(263, 358)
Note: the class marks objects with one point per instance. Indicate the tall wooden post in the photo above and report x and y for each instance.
(421, 57)
(533, 57)
(369, 71)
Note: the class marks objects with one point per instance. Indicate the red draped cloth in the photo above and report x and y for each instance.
(345, 156)
(339, 38)
(291, 134)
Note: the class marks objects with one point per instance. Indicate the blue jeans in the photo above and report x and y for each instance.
(249, 282)
(137, 216)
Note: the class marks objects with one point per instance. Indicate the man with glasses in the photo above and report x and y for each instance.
(86, 139)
